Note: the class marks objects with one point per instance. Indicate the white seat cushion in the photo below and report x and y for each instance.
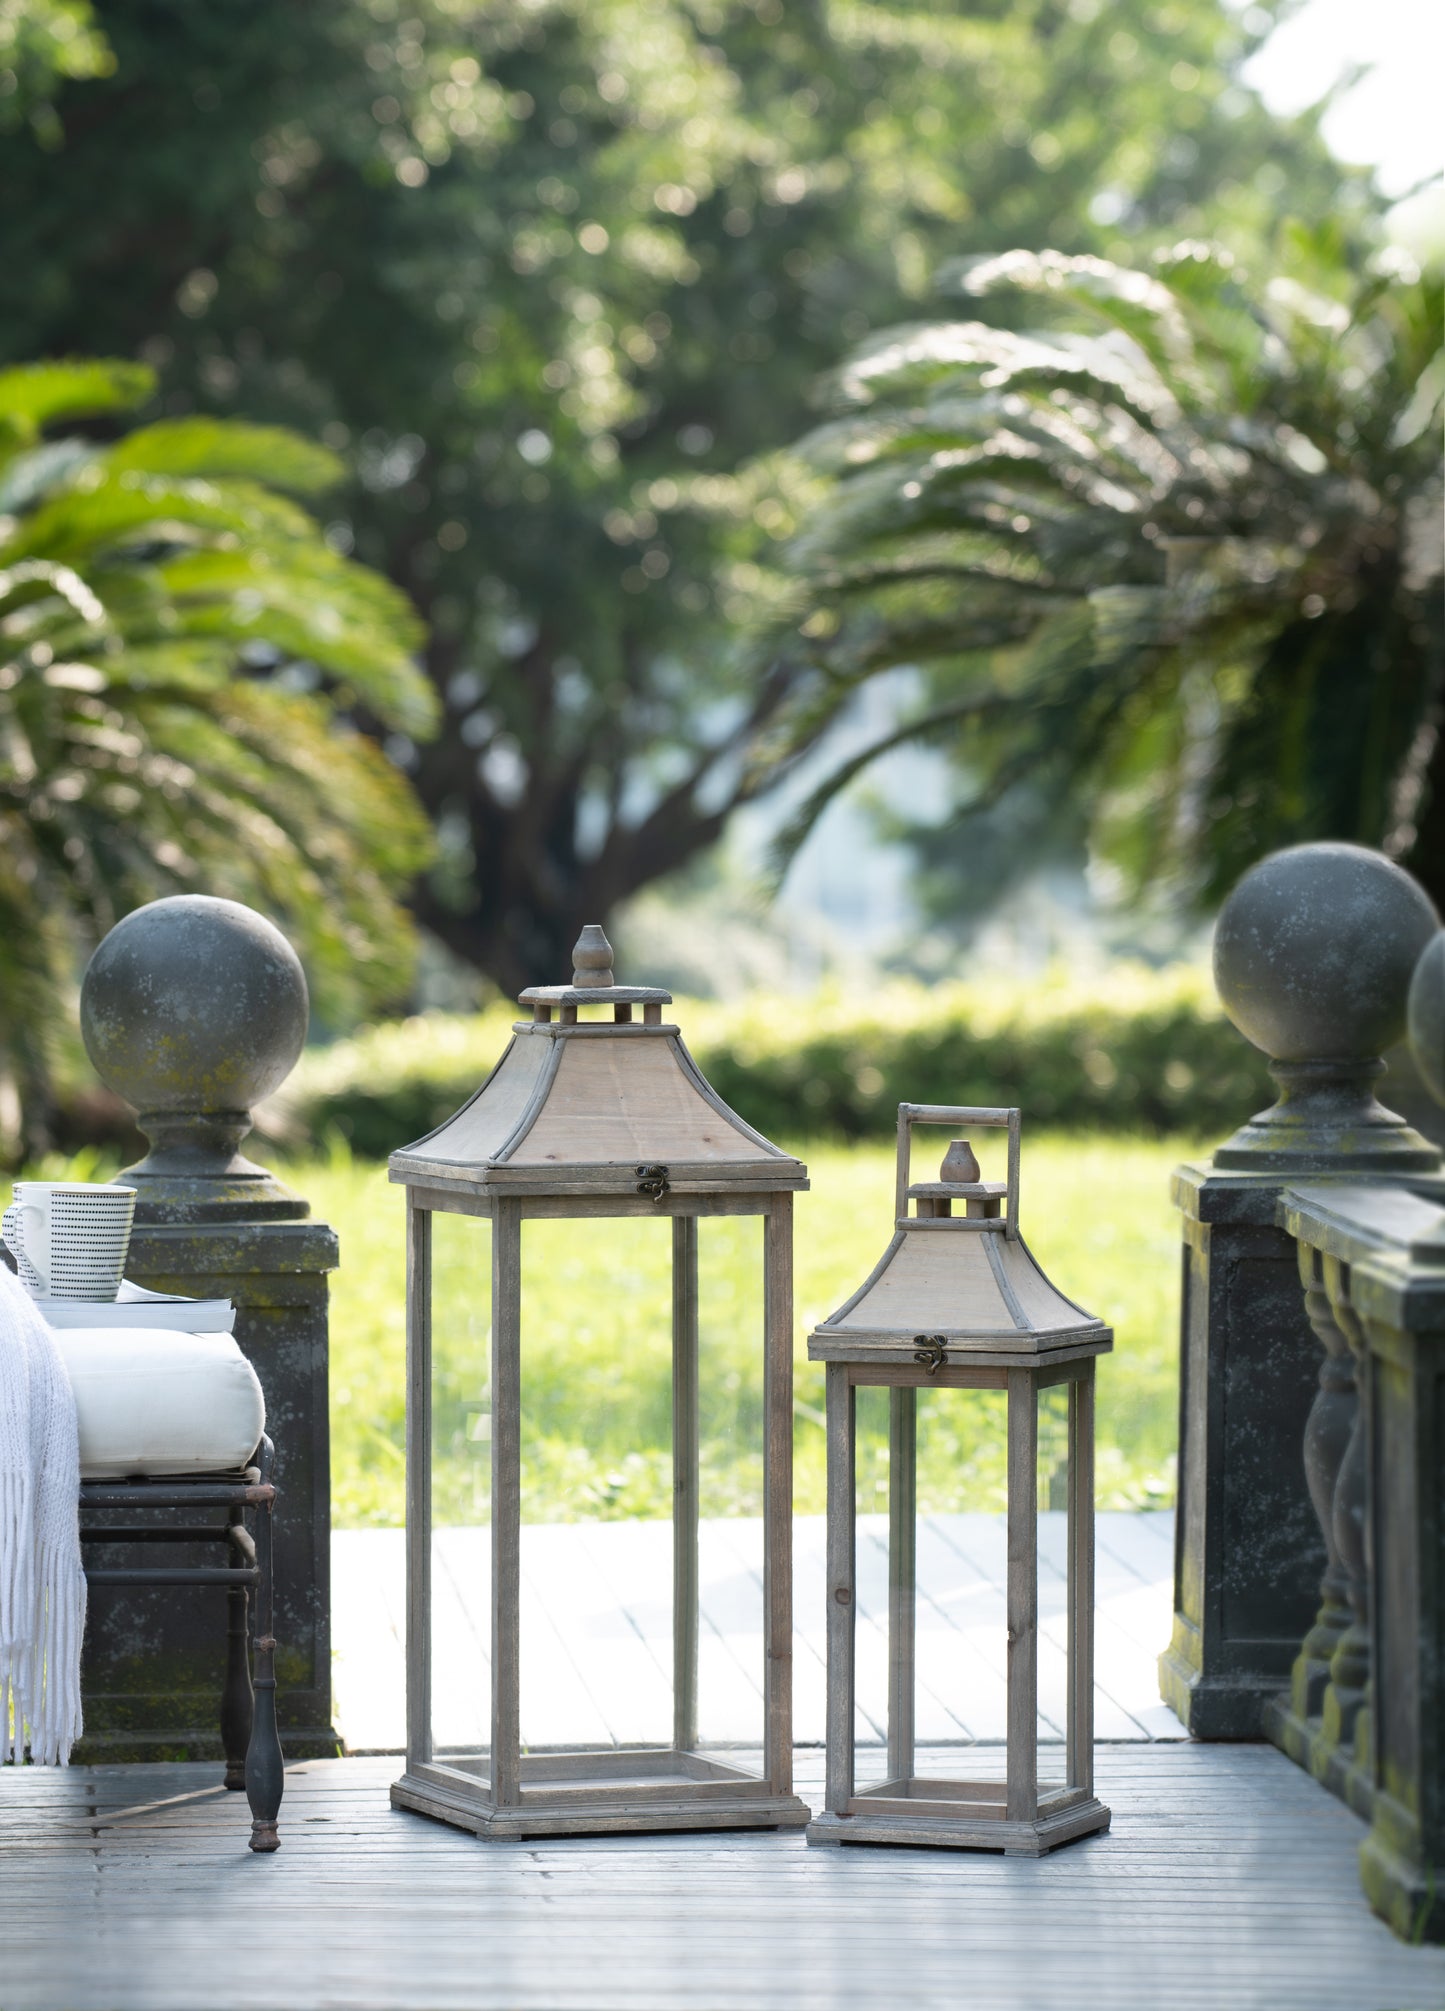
(152, 1401)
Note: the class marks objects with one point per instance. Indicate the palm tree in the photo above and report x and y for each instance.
(180, 651)
(1168, 558)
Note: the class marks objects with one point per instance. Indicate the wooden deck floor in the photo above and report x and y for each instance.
(1228, 1883)
(597, 1648)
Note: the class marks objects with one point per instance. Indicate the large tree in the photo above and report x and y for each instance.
(552, 274)
(1169, 557)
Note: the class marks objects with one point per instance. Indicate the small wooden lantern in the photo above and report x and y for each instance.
(957, 1303)
(601, 1117)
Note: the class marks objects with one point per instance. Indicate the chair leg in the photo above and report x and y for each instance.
(264, 1767)
(237, 1702)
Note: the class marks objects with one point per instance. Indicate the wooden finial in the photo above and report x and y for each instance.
(959, 1163)
(592, 959)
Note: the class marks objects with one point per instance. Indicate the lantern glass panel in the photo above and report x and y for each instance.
(871, 1481)
(621, 1646)
(461, 1492)
(730, 1656)
(1052, 1523)
(960, 1557)
(931, 1669)
(596, 1603)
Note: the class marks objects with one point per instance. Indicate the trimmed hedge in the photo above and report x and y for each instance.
(1130, 1050)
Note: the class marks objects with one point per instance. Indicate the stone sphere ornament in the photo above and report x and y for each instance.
(1313, 956)
(194, 1003)
(194, 1010)
(1426, 1016)
(1314, 952)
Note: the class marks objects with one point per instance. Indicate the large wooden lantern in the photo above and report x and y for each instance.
(957, 1305)
(602, 1116)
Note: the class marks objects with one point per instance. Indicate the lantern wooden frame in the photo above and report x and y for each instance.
(599, 1119)
(1047, 1342)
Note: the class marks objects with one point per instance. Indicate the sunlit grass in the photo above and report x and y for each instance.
(1096, 1212)
(596, 1312)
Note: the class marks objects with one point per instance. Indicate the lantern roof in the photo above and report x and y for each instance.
(596, 1105)
(958, 1286)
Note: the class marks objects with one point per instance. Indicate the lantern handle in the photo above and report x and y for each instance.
(990, 1117)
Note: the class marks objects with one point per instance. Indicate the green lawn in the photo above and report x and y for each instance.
(1096, 1213)
(1095, 1210)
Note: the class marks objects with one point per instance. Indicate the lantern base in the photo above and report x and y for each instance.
(591, 1794)
(969, 1823)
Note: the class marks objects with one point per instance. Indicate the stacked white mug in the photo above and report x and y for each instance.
(69, 1238)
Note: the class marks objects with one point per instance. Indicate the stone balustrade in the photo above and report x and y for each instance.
(1313, 958)
(1311, 1540)
(1376, 1734)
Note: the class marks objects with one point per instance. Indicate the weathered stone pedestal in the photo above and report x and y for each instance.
(1248, 1551)
(193, 1010)
(1313, 959)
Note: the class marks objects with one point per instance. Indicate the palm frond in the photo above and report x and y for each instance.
(35, 395)
(1175, 528)
(163, 610)
(220, 448)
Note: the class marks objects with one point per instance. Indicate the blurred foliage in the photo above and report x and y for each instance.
(1130, 1049)
(167, 617)
(42, 43)
(552, 273)
(1170, 556)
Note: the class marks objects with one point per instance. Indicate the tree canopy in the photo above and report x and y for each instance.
(552, 275)
(179, 650)
(1169, 556)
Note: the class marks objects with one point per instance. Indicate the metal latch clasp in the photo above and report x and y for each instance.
(652, 1181)
(931, 1351)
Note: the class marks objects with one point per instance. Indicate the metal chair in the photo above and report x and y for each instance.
(248, 1707)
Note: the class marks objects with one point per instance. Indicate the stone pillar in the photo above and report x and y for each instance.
(193, 1010)
(1313, 957)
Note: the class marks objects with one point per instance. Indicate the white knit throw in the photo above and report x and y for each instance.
(42, 1584)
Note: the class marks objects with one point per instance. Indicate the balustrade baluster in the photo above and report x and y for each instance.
(1346, 1694)
(1327, 1433)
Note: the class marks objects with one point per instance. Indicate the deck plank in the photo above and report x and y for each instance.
(1228, 1880)
(596, 1630)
